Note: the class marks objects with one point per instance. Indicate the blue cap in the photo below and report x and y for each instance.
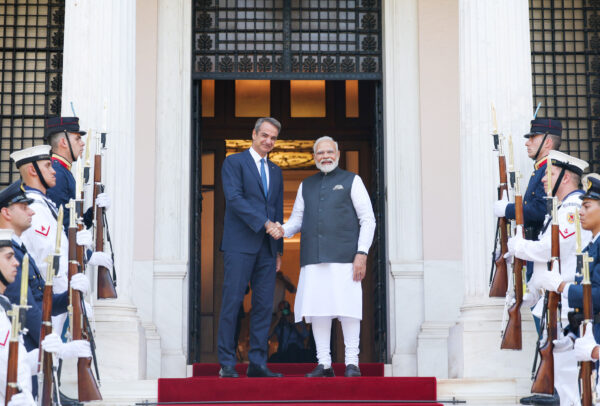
(14, 193)
(592, 187)
(61, 124)
(543, 126)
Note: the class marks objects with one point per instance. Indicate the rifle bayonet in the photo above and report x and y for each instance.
(88, 164)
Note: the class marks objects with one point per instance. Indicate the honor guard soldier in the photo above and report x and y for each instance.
(543, 137)
(16, 215)
(64, 137)
(38, 176)
(566, 172)
(27, 362)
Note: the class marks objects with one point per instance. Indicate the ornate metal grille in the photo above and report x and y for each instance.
(565, 50)
(31, 46)
(287, 39)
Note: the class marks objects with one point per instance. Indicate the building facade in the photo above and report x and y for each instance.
(176, 84)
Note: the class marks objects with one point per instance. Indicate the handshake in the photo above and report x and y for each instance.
(275, 230)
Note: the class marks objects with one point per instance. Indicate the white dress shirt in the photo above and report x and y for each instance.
(257, 159)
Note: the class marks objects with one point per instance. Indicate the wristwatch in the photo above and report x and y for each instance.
(362, 252)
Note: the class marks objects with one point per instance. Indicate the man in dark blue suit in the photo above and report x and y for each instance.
(253, 188)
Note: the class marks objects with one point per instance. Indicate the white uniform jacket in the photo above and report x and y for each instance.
(40, 238)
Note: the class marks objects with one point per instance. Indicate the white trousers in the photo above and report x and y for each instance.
(321, 326)
(566, 378)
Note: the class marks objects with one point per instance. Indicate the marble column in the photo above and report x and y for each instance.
(403, 172)
(172, 183)
(494, 68)
(98, 82)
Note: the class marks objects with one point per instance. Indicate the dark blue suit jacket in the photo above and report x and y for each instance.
(576, 290)
(35, 295)
(534, 201)
(63, 191)
(247, 209)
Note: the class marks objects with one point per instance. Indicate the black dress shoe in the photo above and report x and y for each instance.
(552, 400)
(321, 372)
(261, 371)
(228, 372)
(352, 371)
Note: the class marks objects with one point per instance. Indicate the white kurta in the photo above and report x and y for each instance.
(327, 289)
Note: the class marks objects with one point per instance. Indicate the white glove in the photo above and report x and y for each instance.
(585, 345)
(52, 343)
(75, 349)
(514, 241)
(500, 206)
(100, 258)
(32, 360)
(530, 299)
(103, 200)
(563, 343)
(550, 280)
(84, 238)
(22, 399)
(81, 283)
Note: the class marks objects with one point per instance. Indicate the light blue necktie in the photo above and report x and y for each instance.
(263, 176)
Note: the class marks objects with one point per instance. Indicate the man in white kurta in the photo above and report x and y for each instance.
(334, 213)
(565, 179)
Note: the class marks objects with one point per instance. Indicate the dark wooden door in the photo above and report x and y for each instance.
(224, 133)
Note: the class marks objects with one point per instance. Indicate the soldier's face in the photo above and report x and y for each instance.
(263, 141)
(8, 264)
(590, 215)
(555, 173)
(48, 172)
(20, 216)
(533, 143)
(76, 143)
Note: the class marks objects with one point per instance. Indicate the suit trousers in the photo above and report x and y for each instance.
(240, 269)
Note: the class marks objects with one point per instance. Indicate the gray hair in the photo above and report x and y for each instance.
(269, 120)
(324, 138)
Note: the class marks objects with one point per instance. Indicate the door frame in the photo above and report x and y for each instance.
(378, 249)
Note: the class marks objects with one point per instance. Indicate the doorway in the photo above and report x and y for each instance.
(225, 112)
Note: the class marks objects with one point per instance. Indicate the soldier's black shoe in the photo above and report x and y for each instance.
(546, 400)
(352, 371)
(228, 372)
(321, 372)
(261, 371)
(67, 401)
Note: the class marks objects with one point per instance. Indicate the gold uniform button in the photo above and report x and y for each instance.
(533, 193)
(524, 202)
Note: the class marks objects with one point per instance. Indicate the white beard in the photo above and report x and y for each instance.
(327, 167)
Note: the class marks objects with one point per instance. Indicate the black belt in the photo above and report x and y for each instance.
(532, 232)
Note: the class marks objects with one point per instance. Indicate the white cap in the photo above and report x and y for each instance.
(568, 162)
(37, 153)
(6, 237)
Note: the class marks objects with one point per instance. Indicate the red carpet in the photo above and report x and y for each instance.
(370, 389)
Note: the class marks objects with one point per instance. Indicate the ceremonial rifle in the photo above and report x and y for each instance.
(86, 383)
(46, 370)
(106, 283)
(585, 367)
(543, 382)
(18, 320)
(499, 279)
(512, 337)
